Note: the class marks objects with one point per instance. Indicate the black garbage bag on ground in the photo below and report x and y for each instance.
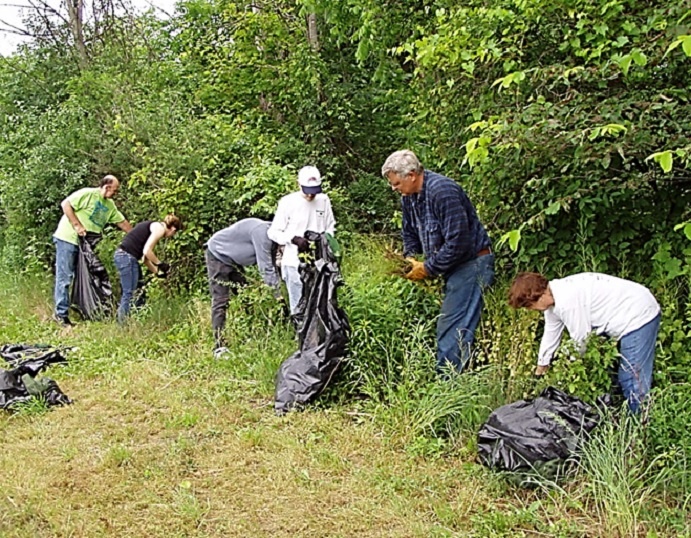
(20, 384)
(323, 331)
(92, 294)
(528, 434)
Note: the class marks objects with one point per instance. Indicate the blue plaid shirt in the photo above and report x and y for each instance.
(441, 223)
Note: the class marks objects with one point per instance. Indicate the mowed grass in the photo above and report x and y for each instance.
(136, 456)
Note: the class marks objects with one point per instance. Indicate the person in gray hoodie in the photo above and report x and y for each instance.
(227, 253)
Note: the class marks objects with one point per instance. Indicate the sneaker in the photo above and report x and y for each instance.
(63, 321)
(220, 352)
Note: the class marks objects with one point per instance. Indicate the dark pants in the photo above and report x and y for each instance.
(224, 280)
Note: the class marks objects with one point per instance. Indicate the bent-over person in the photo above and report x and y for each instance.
(227, 253)
(604, 304)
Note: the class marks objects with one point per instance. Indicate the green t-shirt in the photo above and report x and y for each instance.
(93, 211)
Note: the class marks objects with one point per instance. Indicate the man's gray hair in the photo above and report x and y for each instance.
(401, 163)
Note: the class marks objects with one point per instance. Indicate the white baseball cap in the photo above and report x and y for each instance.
(310, 180)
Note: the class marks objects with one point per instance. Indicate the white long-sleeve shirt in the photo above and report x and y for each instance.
(296, 215)
(588, 302)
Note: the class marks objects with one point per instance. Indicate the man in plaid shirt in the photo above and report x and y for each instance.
(440, 222)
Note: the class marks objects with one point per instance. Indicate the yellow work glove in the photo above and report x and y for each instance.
(417, 270)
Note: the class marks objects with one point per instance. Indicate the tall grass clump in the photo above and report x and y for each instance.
(389, 316)
(622, 486)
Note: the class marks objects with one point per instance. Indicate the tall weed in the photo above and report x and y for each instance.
(621, 483)
(667, 438)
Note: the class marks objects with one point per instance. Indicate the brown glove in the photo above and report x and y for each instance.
(417, 270)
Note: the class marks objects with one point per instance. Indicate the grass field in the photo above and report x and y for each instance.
(163, 440)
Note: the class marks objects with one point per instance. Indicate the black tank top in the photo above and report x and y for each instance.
(136, 239)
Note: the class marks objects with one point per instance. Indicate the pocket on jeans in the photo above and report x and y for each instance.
(484, 270)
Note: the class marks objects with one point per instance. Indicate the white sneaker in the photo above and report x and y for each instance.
(220, 352)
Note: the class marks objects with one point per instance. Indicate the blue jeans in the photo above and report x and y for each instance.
(291, 276)
(460, 312)
(65, 264)
(637, 351)
(130, 275)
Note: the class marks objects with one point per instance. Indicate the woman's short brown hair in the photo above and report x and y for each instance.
(171, 221)
(526, 289)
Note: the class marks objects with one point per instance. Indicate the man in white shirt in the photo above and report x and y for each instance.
(607, 305)
(307, 209)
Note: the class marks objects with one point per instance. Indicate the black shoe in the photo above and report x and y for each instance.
(63, 321)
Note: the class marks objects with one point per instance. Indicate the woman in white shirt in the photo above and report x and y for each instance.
(604, 304)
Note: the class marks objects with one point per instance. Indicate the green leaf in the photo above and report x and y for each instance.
(513, 237)
(499, 81)
(553, 208)
(673, 46)
(684, 41)
(511, 78)
(625, 63)
(639, 57)
(477, 125)
(686, 226)
(572, 70)
(673, 268)
(664, 159)
(614, 128)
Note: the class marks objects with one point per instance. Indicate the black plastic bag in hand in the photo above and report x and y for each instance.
(92, 293)
(323, 331)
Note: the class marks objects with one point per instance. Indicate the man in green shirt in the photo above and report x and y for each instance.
(85, 210)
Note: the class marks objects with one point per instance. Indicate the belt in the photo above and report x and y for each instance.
(484, 252)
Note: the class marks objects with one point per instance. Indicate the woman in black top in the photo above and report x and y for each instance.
(137, 245)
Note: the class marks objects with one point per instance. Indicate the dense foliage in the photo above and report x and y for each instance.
(546, 112)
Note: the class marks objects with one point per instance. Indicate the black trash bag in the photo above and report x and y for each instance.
(33, 358)
(530, 435)
(20, 384)
(323, 331)
(92, 294)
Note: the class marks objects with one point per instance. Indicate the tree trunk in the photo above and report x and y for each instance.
(75, 10)
(312, 34)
